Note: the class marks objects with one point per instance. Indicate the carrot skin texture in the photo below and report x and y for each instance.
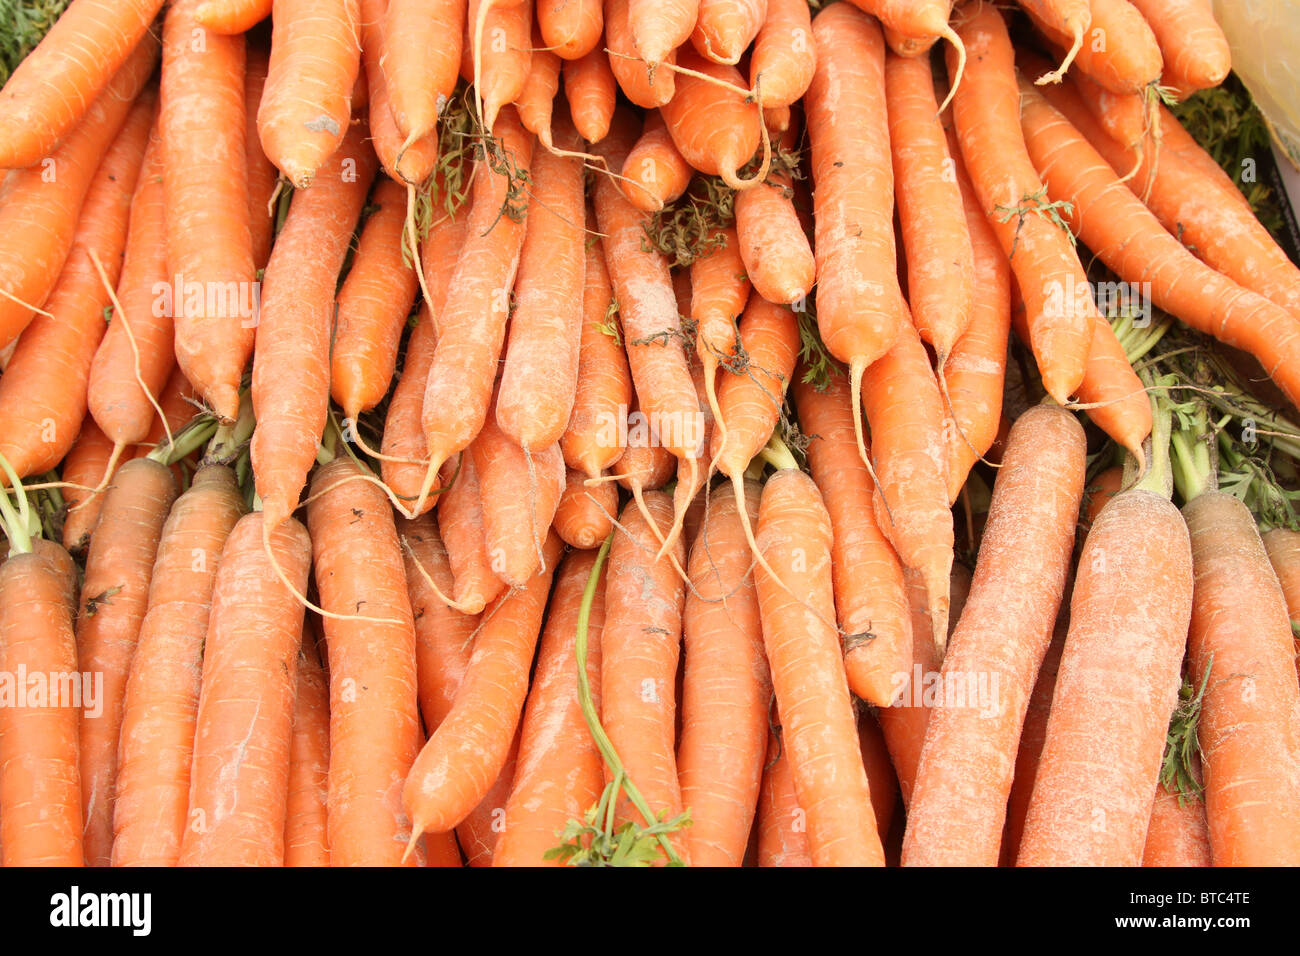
(964, 777)
(1250, 716)
(1283, 548)
(306, 826)
(782, 834)
(1195, 51)
(85, 465)
(420, 59)
(784, 56)
(160, 704)
(243, 735)
(1178, 834)
(591, 90)
(232, 16)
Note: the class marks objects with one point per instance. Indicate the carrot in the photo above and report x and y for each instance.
(774, 248)
(372, 306)
(461, 525)
(499, 49)
(784, 55)
(936, 238)
(958, 804)
(640, 646)
(559, 775)
(472, 325)
(870, 597)
(306, 107)
(880, 772)
(464, 756)
(1242, 651)
(1193, 47)
(540, 376)
(374, 717)
(39, 218)
(306, 834)
(726, 690)
(1128, 66)
(585, 515)
(715, 292)
(161, 700)
(479, 833)
(1116, 689)
(115, 595)
(116, 399)
(644, 465)
(920, 19)
(715, 129)
(656, 173)
(1030, 750)
(795, 601)
(974, 375)
(40, 793)
(724, 29)
(640, 81)
(659, 28)
(260, 172)
(783, 828)
(1283, 548)
(43, 391)
(409, 163)
(89, 462)
(859, 304)
(291, 365)
(519, 492)
(590, 88)
(209, 238)
(1178, 834)
(902, 403)
(536, 101)
(232, 16)
(442, 636)
(56, 86)
(1067, 18)
(1144, 253)
(571, 28)
(243, 735)
(420, 60)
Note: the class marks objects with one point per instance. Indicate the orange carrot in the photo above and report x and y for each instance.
(656, 172)
(499, 49)
(479, 833)
(643, 85)
(1127, 66)
(585, 515)
(659, 27)
(1032, 734)
(590, 88)
(1284, 554)
(87, 464)
(1193, 47)
(571, 28)
(783, 828)
(774, 248)
(232, 16)
(784, 56)
(1070, 19)
(724, 29)
(261, 172)
(420, 60)
(461, 525)
(1178, 834)
(716, 130)
(306, 827)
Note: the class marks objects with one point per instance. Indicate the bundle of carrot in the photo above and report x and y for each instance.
(591, 433)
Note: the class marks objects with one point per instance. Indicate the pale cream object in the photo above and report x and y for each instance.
(1263, 36)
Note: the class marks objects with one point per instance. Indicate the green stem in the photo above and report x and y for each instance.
(778, 455)
(1193, 461)
(185, 442)
(229, 440)
(1159, 474)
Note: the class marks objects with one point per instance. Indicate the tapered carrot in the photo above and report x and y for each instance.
(1068, 18)
(1125, 66)
(372, 306)
(43, 391)
(243, 735)
(291, 366)
(472, 326)
(724, 29)
(1116, 688)
(640, 649)
(53, 88)
(39, 217)
(536, 101)
(420, 60)
(463, 758)
(307, 104)
(1192, 44)
(161, 699)
(139, 339)
(1241, 649)
(920, 19)
(405, 162)
(808, 680)
(306, 827)
(590, 88)
(782, 824)
(870, 597)
(784, 55)
(716, 129)
(232, 16)
(443, 637)
(858, 300)
(540, 376)
(774, 248)
(461, 525)
(958, 803)
(479, 833)
(645, 86)
(659, 28)
(559, 775)
(656, 173)
(1061, 312)
(499, 49)
(714, 294)
(726, 690)
(572, 28)
(85, 467)
(374, 717)
(40, 793)
(585, 515)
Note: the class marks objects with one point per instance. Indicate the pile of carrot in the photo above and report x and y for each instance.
(486, 432)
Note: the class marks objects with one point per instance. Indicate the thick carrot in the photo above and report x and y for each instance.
(1061, 312)
(1127, 65)
(498, 48)
(1241, 649)
(659, 27)
(209, 237)
(585, 514)
(40, 213)
(306, 106)
(1193, 47)
(161, 700)
(964, 777)
(808, 680)
(571, 28)
(591, 90)
(372, 306)
(782, 824)
(724, 29)
(656, 173)
(232, 16)
(540, 376)
(54, 87)
(1116, 688)
(410, 163)
(644, 86)
(716, 130)
(306, 826)
(374, 717)
(43, 391)
(784, 56)
(870, 597)
(464, 756)
(420, 60)
(291, 366)
(243, 735)
(40, 792)
(727, 689)
(559, 775)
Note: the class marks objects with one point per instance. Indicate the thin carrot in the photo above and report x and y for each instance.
(774, 248)
(590, 88)
(1070, 19)
(479, 833)
(1178, 834)
(1283, 548)
(260, 172)
(306, 834)
(921, 19)
(232, 16)
(499, 47)
(880, 772)
(782, 824)
(461, 525)
(1032, 734)
(89, 463)
(1127, 66)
